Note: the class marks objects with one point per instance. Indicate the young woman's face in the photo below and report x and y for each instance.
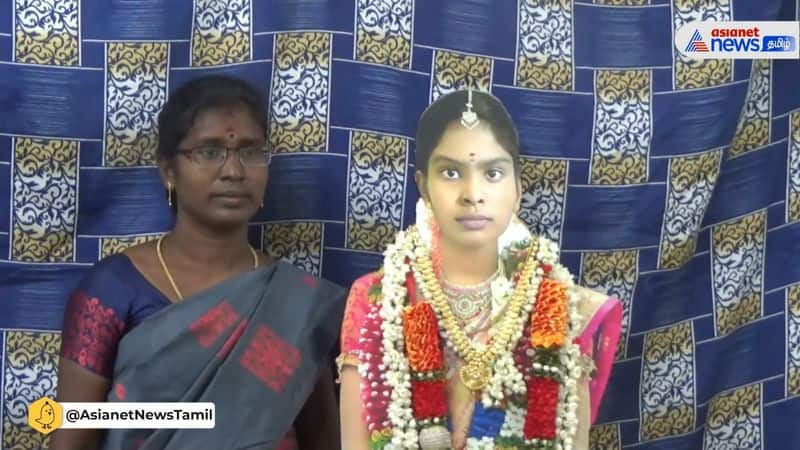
(471, 187)
(219, 191)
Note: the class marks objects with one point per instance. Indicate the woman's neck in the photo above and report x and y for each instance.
(468, 266)
(213, 249)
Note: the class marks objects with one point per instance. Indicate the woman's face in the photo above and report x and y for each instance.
(220, 194)
(471, 187)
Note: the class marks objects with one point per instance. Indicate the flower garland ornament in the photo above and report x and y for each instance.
(540, 297)
(477, 373)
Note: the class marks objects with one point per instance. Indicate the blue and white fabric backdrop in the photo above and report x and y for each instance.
(670, 183)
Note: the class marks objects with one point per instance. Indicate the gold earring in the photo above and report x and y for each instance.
(169, 193)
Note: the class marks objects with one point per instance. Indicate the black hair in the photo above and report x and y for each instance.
(201, 94)
(447, 109)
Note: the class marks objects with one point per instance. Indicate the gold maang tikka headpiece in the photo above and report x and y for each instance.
(468, 118)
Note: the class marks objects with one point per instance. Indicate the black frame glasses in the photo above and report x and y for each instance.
(215, 156)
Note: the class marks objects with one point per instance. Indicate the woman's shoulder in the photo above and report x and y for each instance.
(112, 284)
(595, 306)
(369, 279)
(364, 296)
(367, 288)
(96, 315)
(591, 298)
(105, 289)
(111, 272)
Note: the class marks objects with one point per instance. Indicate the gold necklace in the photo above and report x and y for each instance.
(477, 372)
(169, 275)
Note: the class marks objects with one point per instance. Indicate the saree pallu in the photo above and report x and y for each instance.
(253, 345)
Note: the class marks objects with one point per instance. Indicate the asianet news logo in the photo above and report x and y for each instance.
(738, 40)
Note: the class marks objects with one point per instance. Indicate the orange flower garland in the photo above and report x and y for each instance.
(549, 323)
(425, 358)
(422, 338)
(549, 320)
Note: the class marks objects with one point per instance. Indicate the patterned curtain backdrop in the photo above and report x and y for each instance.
(671, 183)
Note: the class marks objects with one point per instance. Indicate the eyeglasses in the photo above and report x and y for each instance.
(213, 156)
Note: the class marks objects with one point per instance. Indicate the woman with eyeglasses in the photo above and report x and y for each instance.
(199, 315)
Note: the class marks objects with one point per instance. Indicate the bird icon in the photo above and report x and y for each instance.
(47, 415)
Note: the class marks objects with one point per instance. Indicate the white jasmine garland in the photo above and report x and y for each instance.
(514, 422)
(484, 443)
(501, 294)
(506, 378)
(509, 377)
(569, 357)
(400, 413)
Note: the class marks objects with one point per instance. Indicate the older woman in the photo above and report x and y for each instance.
(199, 315)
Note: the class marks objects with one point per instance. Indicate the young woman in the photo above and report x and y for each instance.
(472, 335)
(199, 315)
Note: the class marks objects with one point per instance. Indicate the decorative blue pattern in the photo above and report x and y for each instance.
(700, 239)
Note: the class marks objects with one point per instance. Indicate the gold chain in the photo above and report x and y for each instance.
(169, 275)
(477, 371)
